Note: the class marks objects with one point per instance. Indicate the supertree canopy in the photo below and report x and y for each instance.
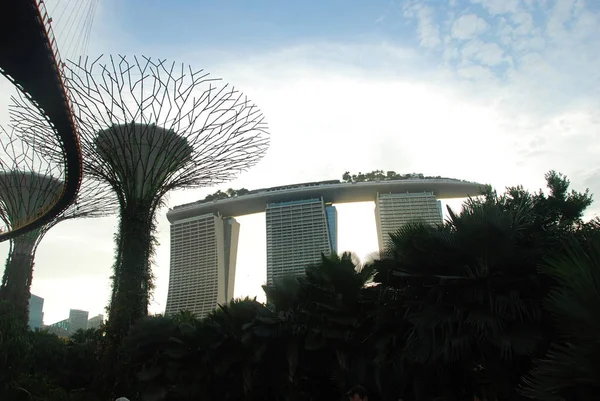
(158, 153)
(148, 127)
(29, 184)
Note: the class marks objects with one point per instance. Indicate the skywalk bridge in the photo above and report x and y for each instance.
(29, 58)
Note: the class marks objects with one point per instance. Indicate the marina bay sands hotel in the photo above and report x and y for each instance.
(301, 224)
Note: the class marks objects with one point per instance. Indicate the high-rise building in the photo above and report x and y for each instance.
(298, 232)
(95, 322)
(77, 320)
(331, 213)
(392, 211)
(36, 314)
(61, 328)
(203, 261)
(301, 224)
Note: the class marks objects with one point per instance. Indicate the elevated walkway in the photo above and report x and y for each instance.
(30, 60)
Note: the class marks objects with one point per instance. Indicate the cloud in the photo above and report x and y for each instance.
(498, 6)
(468, 26)
(488, 54)
(499, 102)
(429, 33)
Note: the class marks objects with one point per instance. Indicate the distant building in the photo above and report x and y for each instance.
(203, 262)
(61, 328)
(392, 211)
(301, 224)
(95, 322)
(36, 314)
(331, 213)
(77, 320)
(298, 232)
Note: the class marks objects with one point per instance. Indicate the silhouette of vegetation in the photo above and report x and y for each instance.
(498, 303)
(380, 175)
(230, 193)
(570, 368)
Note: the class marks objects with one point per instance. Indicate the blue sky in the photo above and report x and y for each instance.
(249, 23)
(494, 91)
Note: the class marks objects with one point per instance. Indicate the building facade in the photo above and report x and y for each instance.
(36, 314)
(298, 232)
(301, 224)
(203, 261)
(392, 211)
(95, 322)
(61, 328)
(77, 320)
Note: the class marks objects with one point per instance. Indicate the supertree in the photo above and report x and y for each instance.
(30, 182)
(149, 127)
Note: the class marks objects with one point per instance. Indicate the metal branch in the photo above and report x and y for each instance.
(32, 176)
(146, 128)
(133, 113)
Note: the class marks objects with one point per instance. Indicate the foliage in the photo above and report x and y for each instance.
(472, 299)
(570, 370)
(38, 365)
(132, 284)
(380, 175)
(143, 353)
(230, 193)
(14, 347)
(451, 312)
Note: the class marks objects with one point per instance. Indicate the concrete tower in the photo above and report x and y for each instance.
(203, 261)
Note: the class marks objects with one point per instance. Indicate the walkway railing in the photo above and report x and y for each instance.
(32, 63)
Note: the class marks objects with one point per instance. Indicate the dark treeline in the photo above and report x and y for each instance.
(376, 175)
(499, 303)
(380, 175)
(230, 193)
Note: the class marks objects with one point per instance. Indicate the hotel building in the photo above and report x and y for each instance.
(392, 211)
(298, 232)
(203, 258)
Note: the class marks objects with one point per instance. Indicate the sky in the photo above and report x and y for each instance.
(496, 91)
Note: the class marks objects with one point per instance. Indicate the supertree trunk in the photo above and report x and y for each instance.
(132, 283)
(18, 273)
(147, 128)
(132, 277)
(30, 183)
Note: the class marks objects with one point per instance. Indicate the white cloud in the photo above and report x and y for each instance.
(327, 117)
(486, 53)
(498, 6)
(468, 26)
(429, 33)
(334, 107)
(476, 73)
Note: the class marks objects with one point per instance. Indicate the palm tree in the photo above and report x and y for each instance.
(470, 289)
(208, 358)
(471, 296)
(319, 322)
(184, 316)
(14, 348)
(144, 369)
(571, 368)
(230, 359)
